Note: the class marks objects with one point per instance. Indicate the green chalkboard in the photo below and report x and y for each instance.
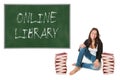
(37, 26)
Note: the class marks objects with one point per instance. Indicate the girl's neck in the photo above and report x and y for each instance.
(93, 40)
(92, 44)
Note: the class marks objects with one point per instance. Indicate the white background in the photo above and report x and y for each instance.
(38, 64)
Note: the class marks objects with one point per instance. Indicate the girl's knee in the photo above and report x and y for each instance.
(81, 49)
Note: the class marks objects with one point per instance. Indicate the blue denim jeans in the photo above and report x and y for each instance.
(85, 52)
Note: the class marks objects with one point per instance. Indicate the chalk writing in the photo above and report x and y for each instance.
(28, 17)
(33, 33)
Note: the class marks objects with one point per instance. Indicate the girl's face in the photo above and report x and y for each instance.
(93, 34)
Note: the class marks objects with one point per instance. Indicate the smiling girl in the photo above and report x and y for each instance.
(92, 49)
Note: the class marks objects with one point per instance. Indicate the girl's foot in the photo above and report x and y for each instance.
(76, 69)
(73, 64)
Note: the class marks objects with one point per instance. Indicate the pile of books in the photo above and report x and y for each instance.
(108, 63)
(60, 63)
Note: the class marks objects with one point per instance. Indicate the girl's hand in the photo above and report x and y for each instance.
(96, 63)
(81, 46)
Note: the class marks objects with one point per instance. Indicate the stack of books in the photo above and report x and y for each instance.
(108, 63)
(60, 63)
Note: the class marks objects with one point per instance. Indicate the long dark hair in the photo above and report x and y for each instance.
(97, 38)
